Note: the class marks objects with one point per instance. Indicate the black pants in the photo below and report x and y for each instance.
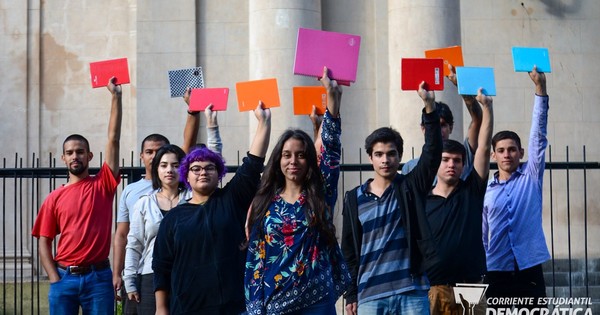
(526, 283)
(147, 303)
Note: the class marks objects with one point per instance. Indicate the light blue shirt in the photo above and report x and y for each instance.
(512, 211)
(131, 194)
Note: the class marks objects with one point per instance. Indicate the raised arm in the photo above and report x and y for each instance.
(316, 120)
(192, 124)
(334, 94)
(114, 127)
(260, 143)
(482, 154)
(428, 98)
(474, 111)
(213, 137)
(538, 140)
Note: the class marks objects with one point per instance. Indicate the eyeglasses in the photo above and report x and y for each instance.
(197, 169)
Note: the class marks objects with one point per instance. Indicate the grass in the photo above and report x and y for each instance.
(27, 301)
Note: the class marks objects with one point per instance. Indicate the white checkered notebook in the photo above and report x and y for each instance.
(181, 79)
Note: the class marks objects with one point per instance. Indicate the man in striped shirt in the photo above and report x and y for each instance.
(381, 223)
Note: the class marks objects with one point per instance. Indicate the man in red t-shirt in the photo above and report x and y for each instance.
(81, 212)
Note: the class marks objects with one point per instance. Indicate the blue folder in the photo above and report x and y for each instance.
(524, 58)
(470, 79)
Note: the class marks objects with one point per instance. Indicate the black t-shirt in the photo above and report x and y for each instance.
(456, 224)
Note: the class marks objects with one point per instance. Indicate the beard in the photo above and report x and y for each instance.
(77, 170)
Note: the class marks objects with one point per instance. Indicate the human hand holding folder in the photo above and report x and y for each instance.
(102, 71)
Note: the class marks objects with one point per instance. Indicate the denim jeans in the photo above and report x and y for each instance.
(92, 291)
(414, 302)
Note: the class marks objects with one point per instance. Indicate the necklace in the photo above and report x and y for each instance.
(170, 200)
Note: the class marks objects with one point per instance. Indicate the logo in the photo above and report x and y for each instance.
(468, 295)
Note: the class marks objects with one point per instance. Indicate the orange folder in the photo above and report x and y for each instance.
(451, 55)
(307, 96)
(250, 92)
(201, 98)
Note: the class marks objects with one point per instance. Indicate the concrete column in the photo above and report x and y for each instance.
(273, 27)
(415, 26)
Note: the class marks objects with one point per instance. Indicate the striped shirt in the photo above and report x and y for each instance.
(384, 259)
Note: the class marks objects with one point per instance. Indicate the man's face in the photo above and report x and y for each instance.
(76, 156)
(446, 129)
(385, 159)
(148, 153)
(450, 168)
(508, 155)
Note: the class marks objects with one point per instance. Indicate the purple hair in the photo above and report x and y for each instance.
(201, 154)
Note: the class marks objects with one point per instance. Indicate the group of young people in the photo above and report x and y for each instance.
(265, 243)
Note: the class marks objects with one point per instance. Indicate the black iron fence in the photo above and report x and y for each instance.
(571, 223)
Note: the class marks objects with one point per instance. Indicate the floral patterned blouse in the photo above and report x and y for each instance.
(291, 267)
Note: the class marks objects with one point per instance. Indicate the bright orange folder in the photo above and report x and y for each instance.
(307, 96)
(451, 55)
(250, 92)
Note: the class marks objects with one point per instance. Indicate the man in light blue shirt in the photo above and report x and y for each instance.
(513, 237)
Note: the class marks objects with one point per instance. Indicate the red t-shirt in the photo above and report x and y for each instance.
(82, 214)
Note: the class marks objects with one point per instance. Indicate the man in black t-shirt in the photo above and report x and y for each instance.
(454, 208)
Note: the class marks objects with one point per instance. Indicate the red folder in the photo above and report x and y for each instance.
(201, 98)
(417, 70)
(250, 92)
(102, 71)
(307, 96)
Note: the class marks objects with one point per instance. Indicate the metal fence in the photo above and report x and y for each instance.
(571, 224)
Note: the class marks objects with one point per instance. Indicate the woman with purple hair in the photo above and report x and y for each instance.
(198, 264)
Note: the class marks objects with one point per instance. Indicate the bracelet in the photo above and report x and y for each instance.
(193, 113)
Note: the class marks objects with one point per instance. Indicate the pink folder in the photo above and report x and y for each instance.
(337, 51)
(102, 71)
(201, 98)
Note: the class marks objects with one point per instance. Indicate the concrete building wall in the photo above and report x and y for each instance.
(46, 47)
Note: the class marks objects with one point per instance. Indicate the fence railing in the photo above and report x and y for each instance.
(571, 212)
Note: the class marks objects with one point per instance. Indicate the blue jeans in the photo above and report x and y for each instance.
(415, 302)
(92, 291)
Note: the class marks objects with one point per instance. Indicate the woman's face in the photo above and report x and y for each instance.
(203, 177)
(167, 170)
(293, 162)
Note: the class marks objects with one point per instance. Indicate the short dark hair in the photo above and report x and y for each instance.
(155, 137)
(503, 135)
(77, 137)
(201, 154)
(167, 148)
(455, 147)
(444, 111)
(385, 135)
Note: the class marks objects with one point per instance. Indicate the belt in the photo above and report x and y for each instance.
(84, 269)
